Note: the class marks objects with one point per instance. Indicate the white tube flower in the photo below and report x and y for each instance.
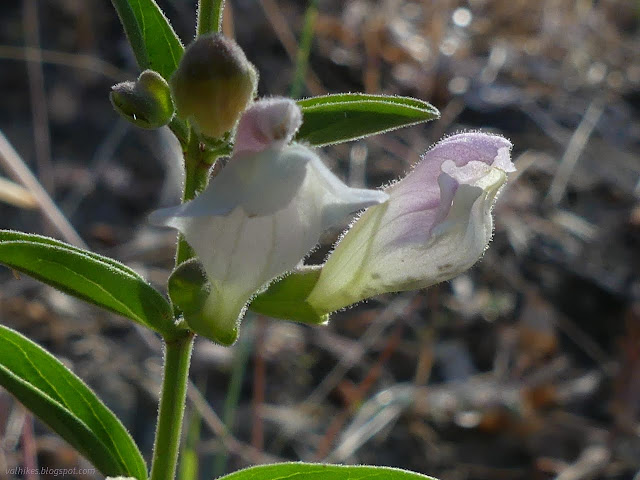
(436, 224)
(261, 214)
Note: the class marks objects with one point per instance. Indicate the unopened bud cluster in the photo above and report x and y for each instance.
(213, 84)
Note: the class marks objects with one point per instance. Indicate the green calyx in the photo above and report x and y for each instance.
(146, 102)
(189, 289)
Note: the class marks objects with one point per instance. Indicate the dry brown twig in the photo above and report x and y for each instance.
(38, 97)
(15, 166)
(80, 61)
(372, 375)
(16, 195)
(574, 149)
(288, 40)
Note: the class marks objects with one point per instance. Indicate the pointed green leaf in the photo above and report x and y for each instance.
(88, 276)
(154, 43)
(311, 471)
(348, 116)
(61, 400)
(286, 298)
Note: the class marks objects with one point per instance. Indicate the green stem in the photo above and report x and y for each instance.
(177, 357)
(198, 160)
(197, 163)
(304, 49)
(209, 16)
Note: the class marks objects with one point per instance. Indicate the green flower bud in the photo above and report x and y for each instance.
(213, 84)
(146, 102)
(188, 288)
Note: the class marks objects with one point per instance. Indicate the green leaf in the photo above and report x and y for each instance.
(61, 400)
(310, 471)
(88, 276)
(286, 298)
(154, 43)
(348, 116)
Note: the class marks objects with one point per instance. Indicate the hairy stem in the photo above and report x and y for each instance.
(209, 16)
(177, 356)
(197, 163)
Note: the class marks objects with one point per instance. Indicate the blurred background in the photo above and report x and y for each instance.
(526, 367)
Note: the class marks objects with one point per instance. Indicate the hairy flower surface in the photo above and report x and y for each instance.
(261, 214)
(436, 224)
(213, 84)
(269, 123)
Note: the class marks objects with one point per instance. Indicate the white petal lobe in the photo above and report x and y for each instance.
(255, 221)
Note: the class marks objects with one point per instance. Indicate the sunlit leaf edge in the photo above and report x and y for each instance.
(318, 471)
(311, 103)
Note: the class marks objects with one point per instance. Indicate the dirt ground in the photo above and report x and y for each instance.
(525, 367)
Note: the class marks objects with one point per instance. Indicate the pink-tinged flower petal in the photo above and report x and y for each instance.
(436, 224)
(268, 123)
